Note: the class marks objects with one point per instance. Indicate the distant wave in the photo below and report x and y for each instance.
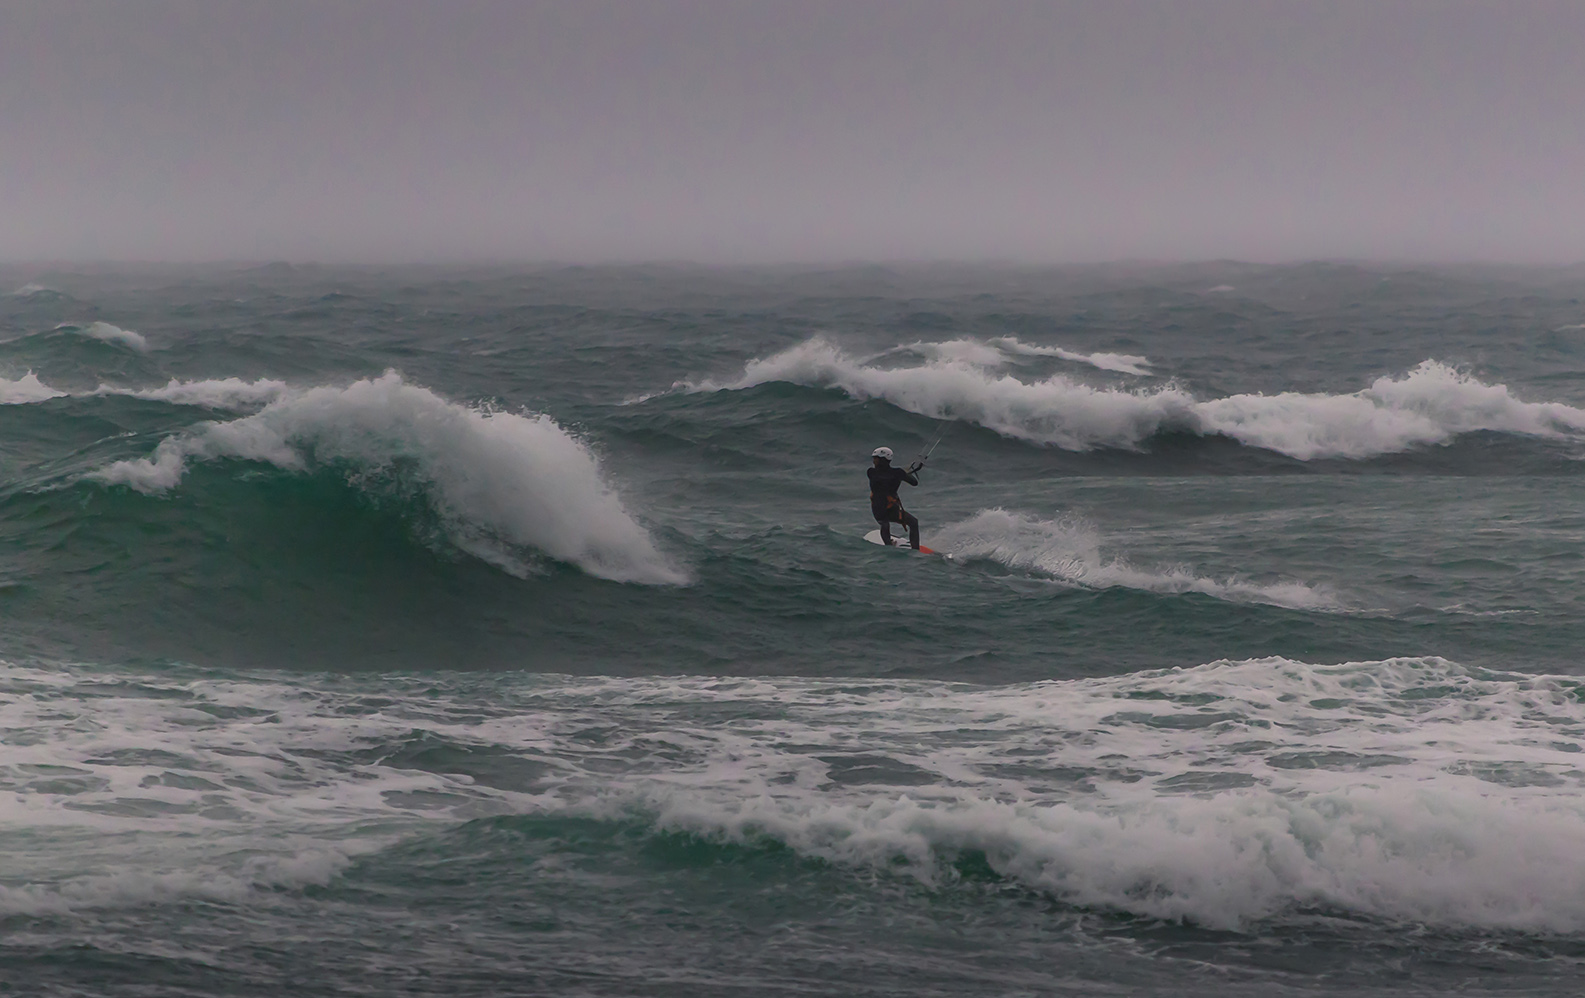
(32, 288)
(501, 481)
(1431, 404)
(209, 393)
(1123, 363)
(1005, 349)
(1069, 551)
(106, 333)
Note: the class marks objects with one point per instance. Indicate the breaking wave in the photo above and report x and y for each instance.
(1406, 790)
(26, 389)
(106, 333)
(1070, 551)
(501, 481)
(1429, 405)
(208, 393)
(1004, 350)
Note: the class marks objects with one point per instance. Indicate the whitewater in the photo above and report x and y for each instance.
(512, 631)
(1431, 404)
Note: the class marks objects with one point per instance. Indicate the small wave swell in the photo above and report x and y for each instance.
(1003, 350)
(501, 482)
(1070, 551)
(104, 332)
(1429, 405)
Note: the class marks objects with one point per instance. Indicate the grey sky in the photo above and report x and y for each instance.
(770, 131)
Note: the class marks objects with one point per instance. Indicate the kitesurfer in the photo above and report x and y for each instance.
(885, 504)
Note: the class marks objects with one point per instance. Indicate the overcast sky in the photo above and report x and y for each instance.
(1059, 131)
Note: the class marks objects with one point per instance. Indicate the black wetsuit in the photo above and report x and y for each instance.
(887, 506)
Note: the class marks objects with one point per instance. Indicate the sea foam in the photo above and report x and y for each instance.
(209, 393)
(501, 481)
(1004, 350)
(1431, 404)
(1229, 795)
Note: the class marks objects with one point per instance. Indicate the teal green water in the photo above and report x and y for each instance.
(513, 631)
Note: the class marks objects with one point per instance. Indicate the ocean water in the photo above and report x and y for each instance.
(512, 631)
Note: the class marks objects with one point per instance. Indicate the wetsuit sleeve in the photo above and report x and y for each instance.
(910, 478)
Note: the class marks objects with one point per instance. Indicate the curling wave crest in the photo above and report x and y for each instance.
(501, 482)
(1431, 404)
(104, 332)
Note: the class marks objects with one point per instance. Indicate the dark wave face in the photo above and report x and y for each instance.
(482, 632)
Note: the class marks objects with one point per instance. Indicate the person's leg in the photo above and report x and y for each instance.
(886, 531)
(912, 523)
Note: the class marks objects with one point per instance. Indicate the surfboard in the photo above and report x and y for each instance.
(874, 537)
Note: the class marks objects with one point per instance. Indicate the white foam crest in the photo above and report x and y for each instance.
(26, 389)
(209, 393)
(1123, 363)
(1052, 411)
(1000, 351)
(1409, 789)
(1577, 327)
(107, 333)
(1069, 550)
(962, 351)
(1431, 404)
(502, 481)
(33, 288)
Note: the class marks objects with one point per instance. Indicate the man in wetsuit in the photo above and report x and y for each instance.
(885, 504)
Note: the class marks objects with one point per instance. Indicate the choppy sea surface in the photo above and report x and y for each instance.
(505, 631)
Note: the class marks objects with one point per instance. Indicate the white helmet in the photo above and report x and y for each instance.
(885, 452)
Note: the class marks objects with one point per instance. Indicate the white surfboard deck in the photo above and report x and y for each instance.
(901, 543)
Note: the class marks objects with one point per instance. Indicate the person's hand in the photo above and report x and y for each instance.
(915, 466)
